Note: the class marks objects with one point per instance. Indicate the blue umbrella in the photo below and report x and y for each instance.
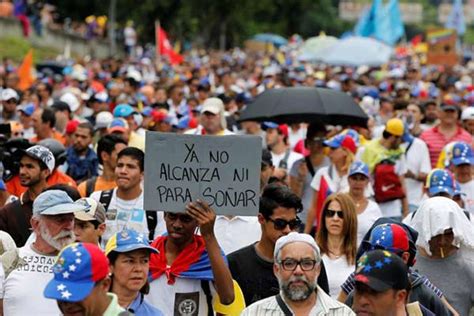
(275, 39)
(357, 51)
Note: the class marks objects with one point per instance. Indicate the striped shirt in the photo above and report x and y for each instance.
(435, 141)
(325, 306)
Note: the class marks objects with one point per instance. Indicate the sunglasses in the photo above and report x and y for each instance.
(280, 224)
(331, 213)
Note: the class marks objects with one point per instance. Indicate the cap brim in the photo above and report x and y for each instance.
(463, 161)
(358, 172)
(78, 290)
(266, 125)
(331, 143)
(374, 283)
(83, 216)
(439, 189)
(66, 208)
(132, 247)
(117, 129)
(449, 107)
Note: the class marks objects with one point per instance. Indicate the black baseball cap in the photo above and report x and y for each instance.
(382, 270)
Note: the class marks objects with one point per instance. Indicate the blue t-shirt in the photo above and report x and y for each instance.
(140, 307)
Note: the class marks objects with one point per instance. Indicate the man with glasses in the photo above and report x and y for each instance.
(296, 265)
(252, 266)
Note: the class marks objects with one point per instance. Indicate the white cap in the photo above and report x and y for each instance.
(468, 114)
(134, 74)
(71, 100)
(296, 237)
(8, 94)
(213, 105)
(103, 119)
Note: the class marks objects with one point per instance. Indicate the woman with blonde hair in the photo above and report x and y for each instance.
(337, 239)
(332, 178)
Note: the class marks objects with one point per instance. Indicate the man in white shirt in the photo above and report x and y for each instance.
(124, 204)
(53, 224)
(282, 155)
(297, 265)
(418, 165)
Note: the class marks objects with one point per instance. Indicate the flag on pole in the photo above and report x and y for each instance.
(323, 193)
(391, 28)
(368, 20)
(24, 71)
(456, 19)
(164, 47)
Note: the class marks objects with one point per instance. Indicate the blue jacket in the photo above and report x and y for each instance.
(80, 168)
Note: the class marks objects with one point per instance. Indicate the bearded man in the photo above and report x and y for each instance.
(53, 224)
(297, 265)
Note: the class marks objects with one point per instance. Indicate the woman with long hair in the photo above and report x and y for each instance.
(129, 257)
(367, 210)
(337, 239)
(332, 178)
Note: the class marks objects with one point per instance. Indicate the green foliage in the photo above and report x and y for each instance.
(205, 21)
(17, 47)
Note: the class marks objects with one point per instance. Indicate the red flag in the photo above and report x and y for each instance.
(165, 48)
(323, 193)
(416, 40)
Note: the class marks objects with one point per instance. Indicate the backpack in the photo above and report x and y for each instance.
(387, 185)
(90, 186)
(151, 216)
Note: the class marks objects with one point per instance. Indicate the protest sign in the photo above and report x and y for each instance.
(223, 171)
(442, 47)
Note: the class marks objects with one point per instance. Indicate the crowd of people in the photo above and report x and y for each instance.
(373, 220)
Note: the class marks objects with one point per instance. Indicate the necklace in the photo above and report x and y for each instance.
(336, 256)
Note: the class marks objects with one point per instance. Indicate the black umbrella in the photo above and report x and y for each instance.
(305, 104)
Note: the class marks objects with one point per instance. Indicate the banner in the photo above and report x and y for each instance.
(222, 170)
(442, 47)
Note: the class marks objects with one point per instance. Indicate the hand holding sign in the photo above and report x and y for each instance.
(204, 215)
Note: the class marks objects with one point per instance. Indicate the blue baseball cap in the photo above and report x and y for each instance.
(55, 202)
(359, 167)
(390, 237)
(27, 109)
(462, 154)
(78, 268)
(117, 125)
(266, 125)
(128, 240)
(342, 140)
(439, 181)
(123, 110)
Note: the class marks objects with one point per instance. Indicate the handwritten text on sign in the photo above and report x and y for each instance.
(222, 170)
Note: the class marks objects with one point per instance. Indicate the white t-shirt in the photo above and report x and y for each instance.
(237, 232)
(130, 36)
(337, 271)
(127, 213)
(417, 161)
(468, 196)
(184, 297)
(24, 286)
(366, 219)
(292, 157)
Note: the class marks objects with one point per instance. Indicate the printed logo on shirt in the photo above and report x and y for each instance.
(385, 188)
(39, 264)
(186, 304)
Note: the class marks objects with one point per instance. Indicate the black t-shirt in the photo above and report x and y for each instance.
(255, 275)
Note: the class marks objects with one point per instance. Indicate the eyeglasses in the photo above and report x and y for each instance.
(291, 264)
(331, 213)
(280, 224)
